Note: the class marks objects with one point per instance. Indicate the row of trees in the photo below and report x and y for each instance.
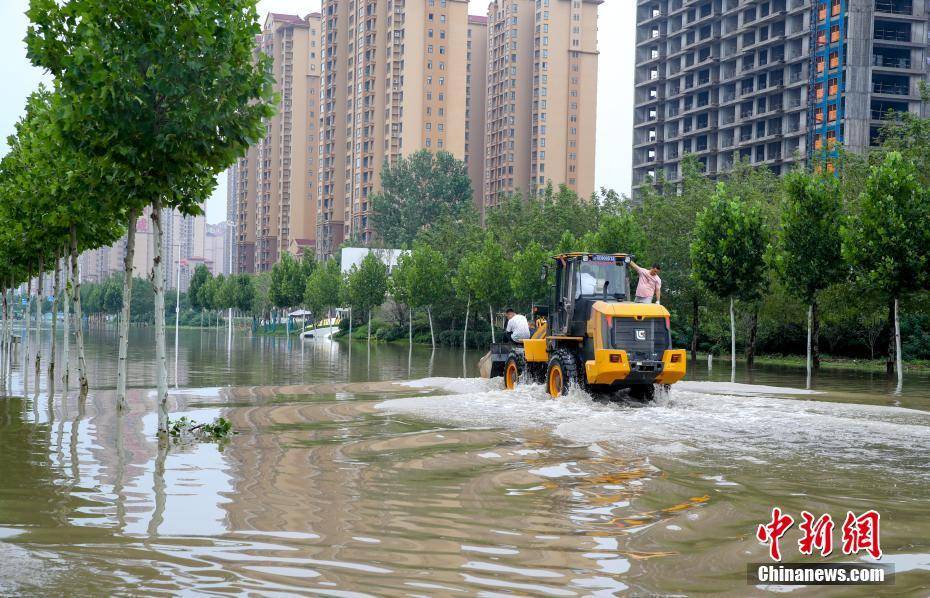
(811, 239)
(851, 229)
(151, 100)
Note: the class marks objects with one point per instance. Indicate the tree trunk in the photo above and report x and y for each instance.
(369, 326)
(432, 335)
(78, 324)
(27, 334)
(11, 312)
(695, 324)
(889, 364)
(4, 347)
(810, 330)
(40, 293)
(66, 324)
(465, 333)
(815, 336)
(123, 359)
(158, 281)
(491, 321)
(732, 341)
(409, 327)
(751, 344)
(51, 356)
(899, 358)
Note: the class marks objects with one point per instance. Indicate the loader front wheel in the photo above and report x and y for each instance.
(561, 374)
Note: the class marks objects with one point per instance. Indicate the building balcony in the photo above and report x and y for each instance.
(891, 34)
(889, 62)
(895, 89)
(894, 7)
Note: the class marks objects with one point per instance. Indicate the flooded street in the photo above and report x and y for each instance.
(388, 472)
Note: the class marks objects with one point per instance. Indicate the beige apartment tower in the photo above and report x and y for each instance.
(394, 81)
(275, 183)
(541, 96)
(367, 82)
(476, 96)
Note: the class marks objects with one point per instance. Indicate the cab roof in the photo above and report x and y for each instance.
(588, 254)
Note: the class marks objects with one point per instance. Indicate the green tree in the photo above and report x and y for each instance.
(424, 279)
(367, 286)
(198, 282)
(757, 186)
(669, 219)
(261, 299)
(57, 198)
(324, 288)
(213, 293)
(887, 242)
(568, 243)
(484, 275)
(170, 91)
(399, 291)
(526, 283)
(617, 233)
(808, 251)
(289, 281)
(417, 191)
(243, 292)
(728, 251)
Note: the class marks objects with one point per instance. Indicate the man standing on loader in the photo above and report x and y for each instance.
(650, 285)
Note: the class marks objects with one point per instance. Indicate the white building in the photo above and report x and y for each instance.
(353, 256)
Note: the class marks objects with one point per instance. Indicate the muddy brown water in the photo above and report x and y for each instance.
(391, 472)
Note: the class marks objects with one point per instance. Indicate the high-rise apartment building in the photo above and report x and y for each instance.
(541, 96)
(230, 238)
(770, 82)
(476, 93)
(274, 185)
(394, 81)
(245, 195)
(513, 96)
(286, 206)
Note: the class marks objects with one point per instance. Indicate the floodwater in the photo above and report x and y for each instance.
(388, 472)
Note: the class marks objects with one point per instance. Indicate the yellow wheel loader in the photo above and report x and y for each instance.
(592, 335)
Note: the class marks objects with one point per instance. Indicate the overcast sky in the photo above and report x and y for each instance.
(614, 103)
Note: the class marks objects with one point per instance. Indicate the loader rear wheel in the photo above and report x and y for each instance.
(513, 370)
(561, 374)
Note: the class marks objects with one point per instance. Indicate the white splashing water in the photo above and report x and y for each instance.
(695, 420)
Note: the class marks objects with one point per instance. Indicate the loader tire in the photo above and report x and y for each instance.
(562, 373)
(514, 370)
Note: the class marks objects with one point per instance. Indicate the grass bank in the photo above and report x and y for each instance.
(827, 362)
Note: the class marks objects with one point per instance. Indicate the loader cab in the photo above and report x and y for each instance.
(581, 279)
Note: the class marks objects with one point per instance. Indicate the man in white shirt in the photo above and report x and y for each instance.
(587, 284)
(517, 326)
